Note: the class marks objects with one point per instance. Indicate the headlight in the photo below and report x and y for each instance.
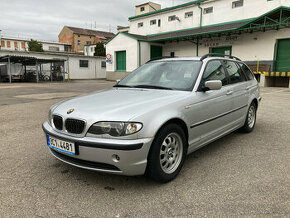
(115, 128)
(49, 117)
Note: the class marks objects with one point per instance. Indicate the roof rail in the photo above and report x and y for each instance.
(218, 55)
(159, 58)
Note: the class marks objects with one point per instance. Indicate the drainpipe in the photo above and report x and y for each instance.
(200, 25)
(200, 19)
(139, 44)
(197, 42)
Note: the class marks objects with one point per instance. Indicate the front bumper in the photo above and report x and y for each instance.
(97, 153)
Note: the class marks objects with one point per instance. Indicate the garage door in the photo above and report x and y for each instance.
(226, 50)
(283, 55)
(121, 60)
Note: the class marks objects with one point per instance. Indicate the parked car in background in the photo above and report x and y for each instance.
(150, 120)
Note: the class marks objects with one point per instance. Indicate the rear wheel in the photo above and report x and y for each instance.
(251, 118)
(167, 154)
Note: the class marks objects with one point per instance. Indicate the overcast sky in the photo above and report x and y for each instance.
(44, 19)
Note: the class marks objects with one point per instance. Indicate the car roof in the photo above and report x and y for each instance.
(192, 59)
(179, 59)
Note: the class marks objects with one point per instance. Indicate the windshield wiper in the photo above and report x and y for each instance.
(152, 87)
(123, 86)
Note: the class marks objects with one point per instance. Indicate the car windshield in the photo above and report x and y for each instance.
(175, 75)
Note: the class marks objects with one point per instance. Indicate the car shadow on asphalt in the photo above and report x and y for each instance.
(111, 182)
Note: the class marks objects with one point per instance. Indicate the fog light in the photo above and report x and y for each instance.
(115, 158)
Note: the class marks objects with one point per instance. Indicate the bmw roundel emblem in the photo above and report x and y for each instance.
(70, 111)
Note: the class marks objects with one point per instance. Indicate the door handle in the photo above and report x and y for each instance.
(229, 92)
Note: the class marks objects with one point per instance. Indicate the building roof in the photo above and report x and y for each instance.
(29, 60)
(146, 3)
(98, 33)
(139, 37)
(167, 9)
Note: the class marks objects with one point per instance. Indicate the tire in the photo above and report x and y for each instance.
(250, 121)
(166, 157)
(46, 78)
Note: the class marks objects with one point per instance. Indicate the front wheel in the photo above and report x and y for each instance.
(167, 154)
(251, 119)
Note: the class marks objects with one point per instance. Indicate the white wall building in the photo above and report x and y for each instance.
(89, 50)
(253, 30)
(18, 44)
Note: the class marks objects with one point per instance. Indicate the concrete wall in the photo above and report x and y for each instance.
(89, 50)
(249, 47)
(251, 9)
(66, 36)
(94, 70)
(52, 47)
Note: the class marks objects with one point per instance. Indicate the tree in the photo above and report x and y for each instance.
(33, 45)
(100, 49)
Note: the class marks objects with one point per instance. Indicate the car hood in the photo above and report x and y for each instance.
(117, 104)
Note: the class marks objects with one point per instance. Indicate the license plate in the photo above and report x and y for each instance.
(60, 145)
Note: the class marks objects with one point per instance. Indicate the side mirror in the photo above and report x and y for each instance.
(213, 85)
(117, 81)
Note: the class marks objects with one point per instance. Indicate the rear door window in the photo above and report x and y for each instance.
(235, 73)
(247, 72)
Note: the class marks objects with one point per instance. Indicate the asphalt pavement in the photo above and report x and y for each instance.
(240, 175)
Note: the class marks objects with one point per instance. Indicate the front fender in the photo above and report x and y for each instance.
(154, 120)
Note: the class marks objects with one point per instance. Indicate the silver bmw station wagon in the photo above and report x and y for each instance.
(150, 120)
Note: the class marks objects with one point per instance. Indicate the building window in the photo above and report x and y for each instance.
(159, 23)
(53, 48)
(172, 54)
(188, 14)
(8, 44)
(66, 48)
(103, 64)
(237, 4)
(79, 35)
(208, 10)
(92, 49)
(88, 42)
(172, 18)
(152, 22)
(79, 42)
(2, 43)
(84, 63)
(16, 45)
(142, 9)
(22, 44)
(140, 24)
